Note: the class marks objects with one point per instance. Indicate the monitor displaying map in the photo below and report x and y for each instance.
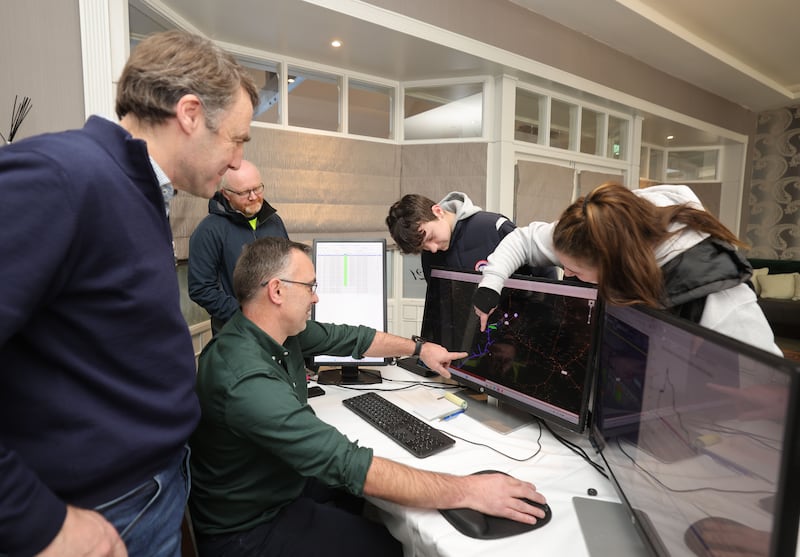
(537, 352)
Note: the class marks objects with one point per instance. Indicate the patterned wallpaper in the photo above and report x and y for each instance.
(773, 229)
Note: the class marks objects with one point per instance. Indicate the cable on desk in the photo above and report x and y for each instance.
(501, 453)
(574, 448)
(367, 388)
(409, 385)
(436, 384)
(653, 477)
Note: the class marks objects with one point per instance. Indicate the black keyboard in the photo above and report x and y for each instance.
(408, 431)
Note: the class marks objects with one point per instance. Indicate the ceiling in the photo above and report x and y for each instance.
(710, 43)
(303, 30)
(743, 50)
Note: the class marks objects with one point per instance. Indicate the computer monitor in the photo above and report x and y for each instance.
(537, 352)
(700, 435)
(351, 277)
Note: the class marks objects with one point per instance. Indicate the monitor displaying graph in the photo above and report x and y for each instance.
(351, 278)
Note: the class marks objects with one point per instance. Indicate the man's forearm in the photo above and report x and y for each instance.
(414, 488)
(435, 356)
(386, 344)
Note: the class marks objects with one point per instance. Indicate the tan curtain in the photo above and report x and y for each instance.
(185, 213)
(543, 191)
(325, 186)
(710, 194)
(435, 170)
(588, 180)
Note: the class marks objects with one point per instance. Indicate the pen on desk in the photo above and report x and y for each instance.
(453, 415)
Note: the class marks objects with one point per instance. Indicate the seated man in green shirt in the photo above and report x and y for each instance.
(268, 476)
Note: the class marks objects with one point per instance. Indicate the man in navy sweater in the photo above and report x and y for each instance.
(97, 380)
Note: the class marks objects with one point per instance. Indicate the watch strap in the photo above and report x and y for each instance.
(418, 347)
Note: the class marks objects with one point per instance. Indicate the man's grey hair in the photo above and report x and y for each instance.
(166, 66)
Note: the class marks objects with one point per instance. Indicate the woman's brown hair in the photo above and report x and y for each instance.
(616, 232)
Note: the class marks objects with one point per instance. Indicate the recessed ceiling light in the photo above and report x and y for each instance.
(670, 137)
(336, 43)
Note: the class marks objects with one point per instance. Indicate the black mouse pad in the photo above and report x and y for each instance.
(475, 524)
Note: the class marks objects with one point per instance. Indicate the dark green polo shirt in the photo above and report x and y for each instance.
(258, 439)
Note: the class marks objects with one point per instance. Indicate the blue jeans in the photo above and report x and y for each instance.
(149, 516)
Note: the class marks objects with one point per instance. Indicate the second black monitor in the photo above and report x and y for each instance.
(700, 435)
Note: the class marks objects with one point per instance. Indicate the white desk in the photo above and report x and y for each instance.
(556, 471)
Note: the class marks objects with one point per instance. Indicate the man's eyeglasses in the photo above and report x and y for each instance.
(312, 286)
(258, 190)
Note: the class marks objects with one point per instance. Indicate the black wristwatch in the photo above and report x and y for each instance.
(418, 348)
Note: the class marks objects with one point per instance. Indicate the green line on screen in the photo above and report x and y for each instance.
(345, 270)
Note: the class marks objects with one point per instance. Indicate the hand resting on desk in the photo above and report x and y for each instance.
(481, 526)
(502, 495)
(493, 494)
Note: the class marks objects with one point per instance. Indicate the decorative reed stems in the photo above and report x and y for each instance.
(18, 114)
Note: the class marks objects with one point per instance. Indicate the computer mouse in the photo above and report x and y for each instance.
(476, 524)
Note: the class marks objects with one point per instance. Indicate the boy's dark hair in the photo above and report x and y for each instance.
(405, 218)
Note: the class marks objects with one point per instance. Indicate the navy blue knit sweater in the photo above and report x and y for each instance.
(96, 361)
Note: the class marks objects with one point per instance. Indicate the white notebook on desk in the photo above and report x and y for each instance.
(429, 404)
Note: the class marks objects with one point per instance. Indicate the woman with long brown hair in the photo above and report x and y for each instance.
(655, 246)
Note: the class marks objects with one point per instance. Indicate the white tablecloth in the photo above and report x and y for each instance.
(556, 471)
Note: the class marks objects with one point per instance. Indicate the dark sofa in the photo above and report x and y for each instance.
(783, 315)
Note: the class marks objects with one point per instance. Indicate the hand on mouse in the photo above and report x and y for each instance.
(498, 494)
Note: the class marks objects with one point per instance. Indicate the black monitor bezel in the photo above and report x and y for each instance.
(787, 505)
(463, 378)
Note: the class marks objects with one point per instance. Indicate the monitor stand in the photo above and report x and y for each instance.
(349, 375)
(502, 418)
